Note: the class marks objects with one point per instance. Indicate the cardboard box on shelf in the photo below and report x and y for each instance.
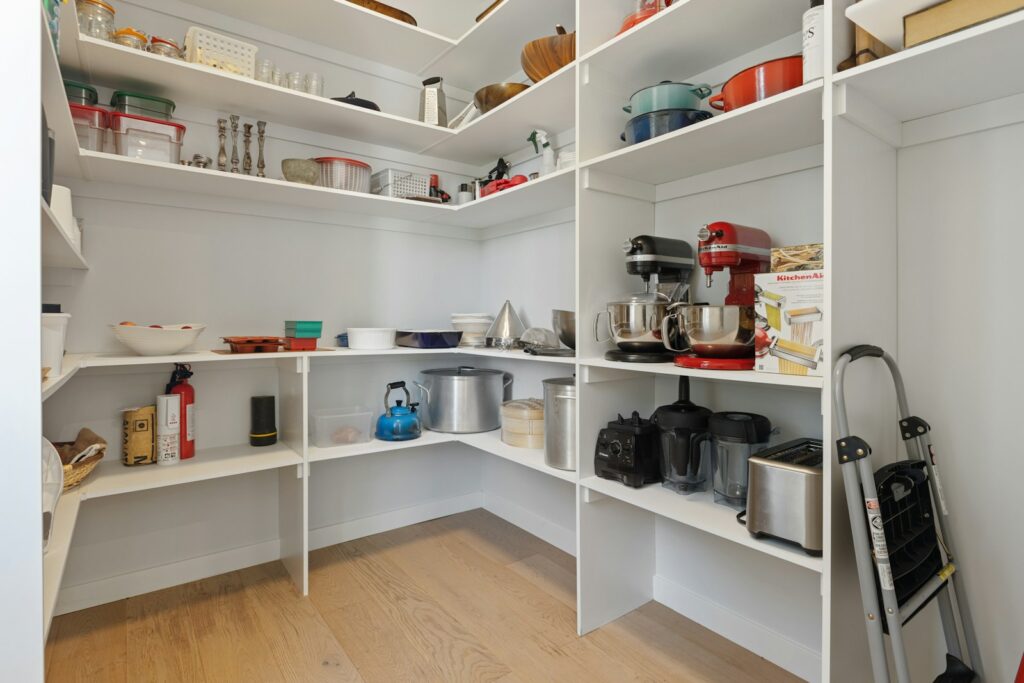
(952, 16)
(791, 322)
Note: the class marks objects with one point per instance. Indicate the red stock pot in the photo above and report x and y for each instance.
(760, 82)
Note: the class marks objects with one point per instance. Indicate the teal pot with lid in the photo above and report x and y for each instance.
(667, 95)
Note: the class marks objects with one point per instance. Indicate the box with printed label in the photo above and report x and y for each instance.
(790, 322)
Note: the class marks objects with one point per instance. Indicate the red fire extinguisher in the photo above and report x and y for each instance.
(179, 385)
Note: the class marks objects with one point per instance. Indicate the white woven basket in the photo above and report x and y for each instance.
(203, 46)
(399, 184)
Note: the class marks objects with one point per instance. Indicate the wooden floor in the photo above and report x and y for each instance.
(463, 598)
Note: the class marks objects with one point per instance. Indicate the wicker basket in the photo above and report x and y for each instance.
(399, 184)
(203, 46)
(75, 474)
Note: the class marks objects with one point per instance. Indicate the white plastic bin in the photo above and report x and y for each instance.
(341, 427)
(55, 333)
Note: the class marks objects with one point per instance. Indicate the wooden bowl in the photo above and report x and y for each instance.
(490, 96)
(386, 10)
(545, 56)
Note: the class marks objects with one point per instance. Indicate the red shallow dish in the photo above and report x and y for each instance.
(759, 83)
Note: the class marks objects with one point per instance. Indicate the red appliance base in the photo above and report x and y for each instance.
(693, 362)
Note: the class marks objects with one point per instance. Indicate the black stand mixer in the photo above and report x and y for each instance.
(634, 322)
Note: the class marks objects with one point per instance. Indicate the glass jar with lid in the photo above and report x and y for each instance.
(164, 47)
(129, 37)
(96, 19)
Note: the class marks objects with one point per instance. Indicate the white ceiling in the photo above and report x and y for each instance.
(449, 18)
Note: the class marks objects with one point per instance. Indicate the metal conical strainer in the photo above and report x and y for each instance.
(507, 329)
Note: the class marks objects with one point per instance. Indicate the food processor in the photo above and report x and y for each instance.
(735, 436)
(685, 454)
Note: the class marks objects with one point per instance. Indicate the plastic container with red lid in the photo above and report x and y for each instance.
(91, 125)
(141, 137)
(344, 174)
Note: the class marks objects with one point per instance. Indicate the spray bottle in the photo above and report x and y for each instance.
(542, 146)
(179, 385)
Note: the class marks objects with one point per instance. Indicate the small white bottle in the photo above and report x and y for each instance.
(168, 429)
(814, 41)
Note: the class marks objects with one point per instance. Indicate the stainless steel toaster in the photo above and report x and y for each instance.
(784, 498)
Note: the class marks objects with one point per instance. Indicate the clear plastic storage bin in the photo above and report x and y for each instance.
(90, 125)
(145, 138)
(341, 427)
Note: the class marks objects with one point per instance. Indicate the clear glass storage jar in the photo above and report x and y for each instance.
(164, 47)
(129, 37)
(96, 19)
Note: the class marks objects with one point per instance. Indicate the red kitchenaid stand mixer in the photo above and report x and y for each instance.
(744, 251)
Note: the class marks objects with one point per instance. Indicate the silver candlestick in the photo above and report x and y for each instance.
(222, 155)
(234, 143)
(247, 159)
(261, 128)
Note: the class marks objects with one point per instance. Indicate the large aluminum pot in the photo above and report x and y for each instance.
(711, 331)
(634, 323)
(463, 400)
(560, 423)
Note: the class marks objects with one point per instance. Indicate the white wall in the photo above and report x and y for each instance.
(959, 244)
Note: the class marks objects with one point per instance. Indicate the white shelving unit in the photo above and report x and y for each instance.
(824, 162)
(56, 556)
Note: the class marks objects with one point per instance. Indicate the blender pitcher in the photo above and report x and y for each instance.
(735, 437)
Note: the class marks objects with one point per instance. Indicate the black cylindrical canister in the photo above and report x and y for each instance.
(264, 425)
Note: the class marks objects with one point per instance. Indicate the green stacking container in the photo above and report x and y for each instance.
(138, 104)
(81, 93)
(303, 329)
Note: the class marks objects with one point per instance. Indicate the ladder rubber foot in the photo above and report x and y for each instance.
(956, 672)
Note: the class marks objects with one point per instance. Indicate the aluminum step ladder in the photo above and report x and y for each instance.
(872, 550)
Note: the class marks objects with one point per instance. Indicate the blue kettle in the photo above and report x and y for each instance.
(398, 423)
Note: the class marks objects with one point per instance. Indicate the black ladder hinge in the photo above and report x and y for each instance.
(913, 427)
(852, 448)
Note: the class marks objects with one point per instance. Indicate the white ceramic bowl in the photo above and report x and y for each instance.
(371, 338)
(166, 340)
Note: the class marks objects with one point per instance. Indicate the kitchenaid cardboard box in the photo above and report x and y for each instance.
(790, 322)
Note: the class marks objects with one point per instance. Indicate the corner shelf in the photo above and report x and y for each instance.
(700, 511)
(784, 123)
(427, 438)
(747, 376)
(57, 249)
(111, 478)
(71, 365)
(527, 457)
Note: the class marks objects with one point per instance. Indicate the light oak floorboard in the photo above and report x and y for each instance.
(462, 598)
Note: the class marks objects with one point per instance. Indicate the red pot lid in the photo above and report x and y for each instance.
(694, 362)
(327, 160)
(751, 68)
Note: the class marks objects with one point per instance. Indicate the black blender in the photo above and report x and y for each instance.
(735, 436)
(634, 322)
(685, 450)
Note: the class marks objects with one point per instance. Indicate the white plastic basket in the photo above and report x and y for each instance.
(399, 184)
(203, 46)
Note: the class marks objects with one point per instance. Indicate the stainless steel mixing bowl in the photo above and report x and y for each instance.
(634, 324)
(712, 331)
(564, 325)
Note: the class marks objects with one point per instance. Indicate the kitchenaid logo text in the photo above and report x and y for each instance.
(790, 278)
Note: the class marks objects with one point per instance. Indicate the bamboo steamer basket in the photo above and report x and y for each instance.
(522, 423)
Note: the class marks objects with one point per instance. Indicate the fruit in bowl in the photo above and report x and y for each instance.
(157, 340)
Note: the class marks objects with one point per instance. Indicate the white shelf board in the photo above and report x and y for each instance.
(748, 376)
(916, 82)
(56, 556)
(533, 198)
(116, 360)
(427, 438)
(527, 457)
(516, 355)
(70, 366)
(692, 36)
(111, 478)
(549, 105)
(57, 249)
(786, 122)
(101, 62)
(55, 104)
(700, 511)
(489, 52)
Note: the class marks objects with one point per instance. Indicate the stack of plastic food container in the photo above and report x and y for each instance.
(91, 125)
(344, 174)
(341, 427)
(474, 328)
(141, 137)
(302, 335)
(138, 104)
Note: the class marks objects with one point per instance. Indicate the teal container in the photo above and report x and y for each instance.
(303, 329)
